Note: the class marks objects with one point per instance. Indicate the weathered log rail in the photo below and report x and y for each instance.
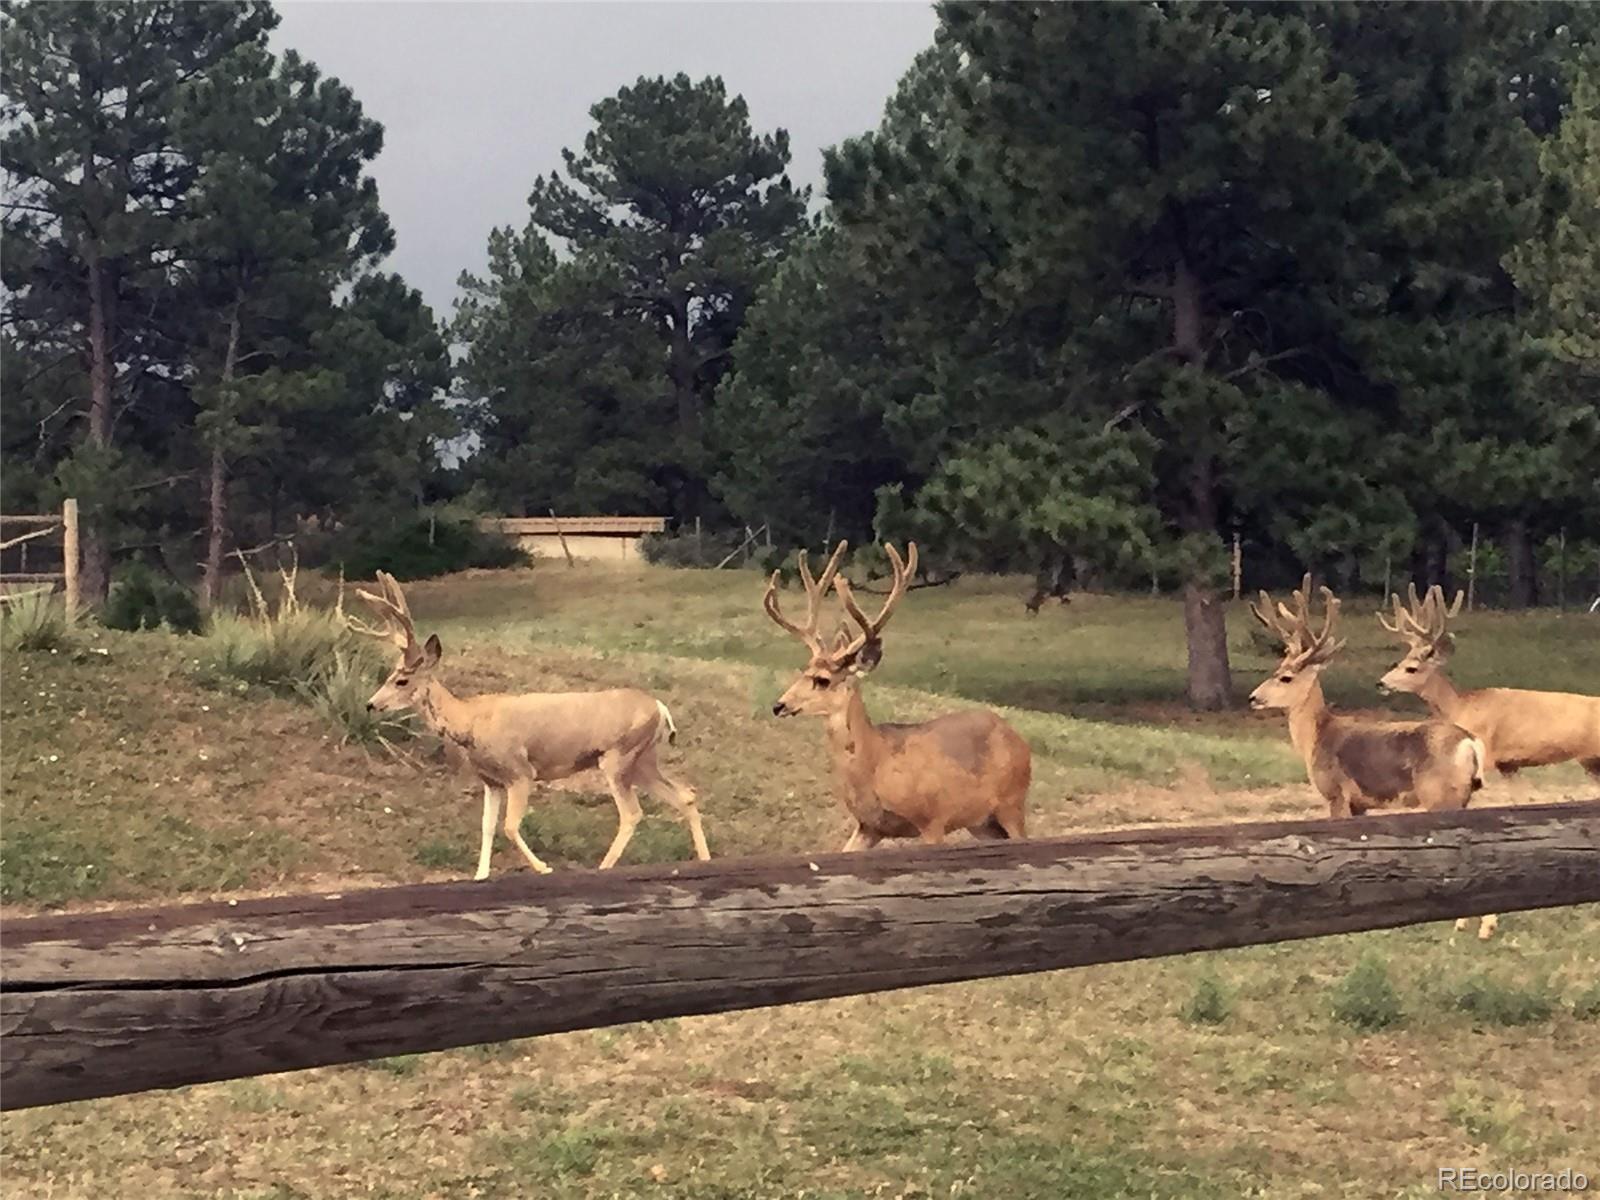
(104, 1003)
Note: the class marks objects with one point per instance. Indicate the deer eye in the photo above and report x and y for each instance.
(1411, 670)
(402, 683)
(1285, 678)
(821, 682)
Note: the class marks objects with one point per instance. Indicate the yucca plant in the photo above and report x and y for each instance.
(339, 695)
(285, 646)
(33, 621)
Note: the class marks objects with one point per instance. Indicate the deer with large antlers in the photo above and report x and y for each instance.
(512, 742)
(1358, 765)
(1361, 765)
(1517, 728)
(966, 770)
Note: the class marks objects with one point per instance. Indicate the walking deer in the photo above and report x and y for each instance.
(966, 770)
(1360, 765)
(1517, 728)
(513, 741)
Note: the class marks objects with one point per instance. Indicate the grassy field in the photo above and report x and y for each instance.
(1350, 1066)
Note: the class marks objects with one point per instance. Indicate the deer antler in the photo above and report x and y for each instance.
(1422, 621)
(816, 593)
(1288, 626)
(396, 614)
(1301, 647)
(872, 630)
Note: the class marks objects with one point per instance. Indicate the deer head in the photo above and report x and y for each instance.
(826, 683)
(1304, 653)
(1422, 624)
(408, 681)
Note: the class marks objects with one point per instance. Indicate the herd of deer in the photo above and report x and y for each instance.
(971, 770)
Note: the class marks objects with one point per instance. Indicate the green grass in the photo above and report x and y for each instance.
(1366, 999)
(1492, 1001)
(1219, 1075)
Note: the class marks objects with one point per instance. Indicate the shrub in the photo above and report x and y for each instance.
(1365, 998)
(1495, 1003)
(144, 599)
(33, 621)
(424, 547)
(682, 548)
(1211, 1003)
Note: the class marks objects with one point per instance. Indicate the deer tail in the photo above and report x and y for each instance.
(665, 728)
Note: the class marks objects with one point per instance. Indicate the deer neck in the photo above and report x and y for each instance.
(1307, 720)
(1439, 694)
(443, 712)
(852, 738)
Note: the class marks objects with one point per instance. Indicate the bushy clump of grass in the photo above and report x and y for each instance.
(34, 621)
(1493, 1002)
(440, 855)
(285, 646)
(1210, 1004)
(1586, 1007)
(339, 695)
(1366, 998)
(288, 652)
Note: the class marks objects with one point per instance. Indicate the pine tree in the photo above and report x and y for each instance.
(670, 220)
(93, 185)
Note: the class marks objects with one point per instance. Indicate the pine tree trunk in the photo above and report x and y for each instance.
(1205, 625)
(95, 570)
(217, 484)
(1204, 618)
(1522, 585)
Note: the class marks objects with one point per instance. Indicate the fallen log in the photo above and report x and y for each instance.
(98, 1004)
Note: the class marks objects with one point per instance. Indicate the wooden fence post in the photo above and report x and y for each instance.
(561, 537)
(1472, 569)
(69, 555)
(1561, 571)
(1238, 567)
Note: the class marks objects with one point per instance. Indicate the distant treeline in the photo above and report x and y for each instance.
(1108, 284)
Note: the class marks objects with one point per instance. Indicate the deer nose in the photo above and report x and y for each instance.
(779, 709)
(369, 707)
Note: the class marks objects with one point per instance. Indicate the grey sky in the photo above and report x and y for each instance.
(478, 98)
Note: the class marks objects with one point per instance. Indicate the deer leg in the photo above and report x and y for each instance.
(931, 835)
(516, 809)
(628, 812)
(862, 839)
(649, 776)
(491, 814)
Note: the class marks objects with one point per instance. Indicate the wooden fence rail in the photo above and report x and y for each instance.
(103, 1003)
(42, 525)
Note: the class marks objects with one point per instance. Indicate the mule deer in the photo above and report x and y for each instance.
(1517, 728)
(1360, 765)
(513, 741)
(967, 770)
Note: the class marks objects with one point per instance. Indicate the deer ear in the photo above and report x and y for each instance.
(864, 659)
(431, 650)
